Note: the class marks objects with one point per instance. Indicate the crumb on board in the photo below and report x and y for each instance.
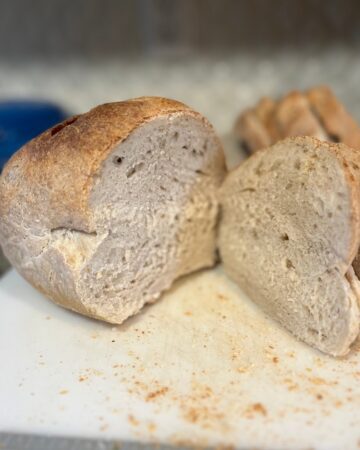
(133, 421)
(64, 392)
(257, 408)
(321, 381)
(202, 415)
(158, 393)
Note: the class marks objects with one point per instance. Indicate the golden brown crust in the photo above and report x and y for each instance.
(56, 170)
(338, 123)
(294, 117)
(252, 131)
(255, 127)
(350, 162)
(265, 112)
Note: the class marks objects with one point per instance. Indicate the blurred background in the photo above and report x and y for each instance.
(219, 56)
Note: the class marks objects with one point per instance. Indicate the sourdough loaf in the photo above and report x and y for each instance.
(289, 234)
(104, 211)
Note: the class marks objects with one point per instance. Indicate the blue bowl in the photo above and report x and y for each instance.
(22, 120)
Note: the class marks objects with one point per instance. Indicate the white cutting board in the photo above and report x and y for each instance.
(201, 366)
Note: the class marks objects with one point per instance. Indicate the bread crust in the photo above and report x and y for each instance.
(337, 122)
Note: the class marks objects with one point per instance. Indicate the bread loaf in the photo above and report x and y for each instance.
(104, 211)
(289, 233)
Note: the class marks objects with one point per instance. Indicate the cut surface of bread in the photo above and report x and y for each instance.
(104, 211)
(316, 112)
(289, 233)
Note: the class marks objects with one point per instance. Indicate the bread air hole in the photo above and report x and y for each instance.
(297, 164)
(269, 213)
(289, 264)
(118, 160)
(284, 237)
(248, 190)
(196, 152)
(134, 169)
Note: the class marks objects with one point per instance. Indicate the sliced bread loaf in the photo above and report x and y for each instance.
(104, 211)
(289, 233)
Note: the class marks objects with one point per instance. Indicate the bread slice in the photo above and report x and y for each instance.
(316, 113)
(289, 233)
(293, 117)
(252, 131)
(337, 122)
(104, 211)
